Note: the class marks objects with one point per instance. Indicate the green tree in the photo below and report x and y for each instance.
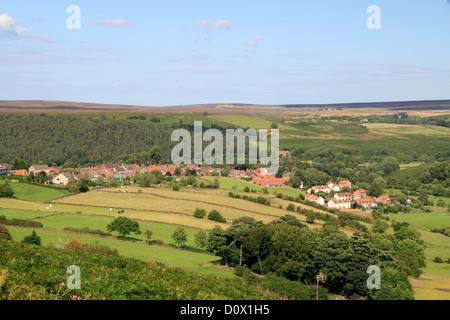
(179, 236)
(156, 154)
(124, 226)
(199, 213)
(217, 243)
(238, 230)
(215, 215)
(201, 239)
(32, 239)
(394, 286)
(177, 171)
(6, 190)
(77, 186)
(377, 187)
(380, 226)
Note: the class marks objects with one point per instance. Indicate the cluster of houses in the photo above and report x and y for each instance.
(344, 200)
(261, 177)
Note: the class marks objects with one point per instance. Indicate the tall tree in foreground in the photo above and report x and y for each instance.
(179, 236)
(124, 226)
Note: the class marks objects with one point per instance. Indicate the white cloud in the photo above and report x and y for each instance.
(209, 26)
(9, 28)
(113, 23)
(252, 44)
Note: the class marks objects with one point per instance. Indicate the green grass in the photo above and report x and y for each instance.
(237, 184)
(22, 214)
(161, 231)
(424, 220)
(436, 275)
(26, 191)
(187, 260)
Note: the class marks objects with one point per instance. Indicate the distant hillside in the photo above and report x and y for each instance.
(398, 105)
(291, 109)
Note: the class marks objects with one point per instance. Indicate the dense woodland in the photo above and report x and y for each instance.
(78, 140)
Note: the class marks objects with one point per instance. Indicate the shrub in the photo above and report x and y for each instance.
(176, 188)
(32, 239)
(4, 233)
(88, 230)
(438, 260)
(199, 213)
(215, 215)
(74, 244)
(290, 207)
(310, 217)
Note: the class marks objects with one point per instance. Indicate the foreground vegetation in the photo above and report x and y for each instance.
(35, 272)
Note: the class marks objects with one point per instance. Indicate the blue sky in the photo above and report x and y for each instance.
(161, 53)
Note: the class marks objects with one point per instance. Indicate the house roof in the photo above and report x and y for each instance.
(339, 201)
(312, 197)
(385, 196)
(361, 191)
(365, 200)
(40, 167)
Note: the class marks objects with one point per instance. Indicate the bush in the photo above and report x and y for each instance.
(290, 207)
(215, 215)
(199, 213)
(241, 270)
(32, 239)
(4, 233)
(88, 230)
(74, 244)
(438, 260)
(176, 188)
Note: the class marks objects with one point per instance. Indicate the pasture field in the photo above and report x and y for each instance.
(232, 184)
(434, 283)
(161, 231)
(187, 260)
(155, 216)
(33, 192)
(424, 220)
(408, 129)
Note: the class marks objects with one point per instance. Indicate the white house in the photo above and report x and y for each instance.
(333, 186)
(63, 179)
(317, 189)
(339, 204)
(316, 199)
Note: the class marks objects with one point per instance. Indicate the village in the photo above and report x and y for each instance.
(334, 196)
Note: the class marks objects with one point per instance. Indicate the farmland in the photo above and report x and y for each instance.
(401, 154)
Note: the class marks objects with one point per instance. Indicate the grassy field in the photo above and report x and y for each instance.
(424, 220)
(408, 129)
(187, 260)
(434, 283)
(33, 192)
